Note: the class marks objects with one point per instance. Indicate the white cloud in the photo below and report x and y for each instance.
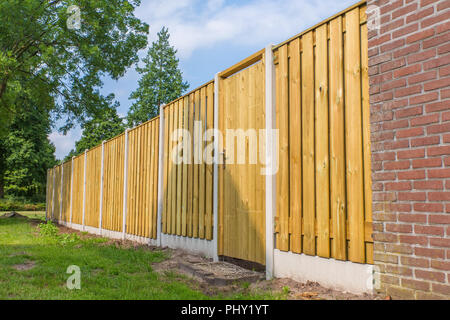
(196, 24)
(64, 143)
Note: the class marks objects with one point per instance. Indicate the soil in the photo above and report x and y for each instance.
(25, 266)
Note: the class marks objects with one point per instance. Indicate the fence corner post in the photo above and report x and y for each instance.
(125, 186)
(84, 189)
(101, 188)
(160, 175)
(216, 171)
(270, 105)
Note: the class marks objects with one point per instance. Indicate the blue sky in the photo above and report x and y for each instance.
(212, 35)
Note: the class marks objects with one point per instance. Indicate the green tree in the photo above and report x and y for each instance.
(26, 153)
(97, 130)
(47, 59)
(161, 81)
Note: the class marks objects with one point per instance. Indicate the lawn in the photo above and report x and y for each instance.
(34, 260)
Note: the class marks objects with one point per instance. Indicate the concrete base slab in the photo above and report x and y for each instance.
(339, 275)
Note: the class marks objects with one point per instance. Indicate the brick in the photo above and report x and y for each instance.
(416, 284)
(392, 26)
(411, 175)
(424, 3)
(441, 289)
(435, 63)
(439, 173)
(399, 270)
(408, 91)
(439, 128)
(412, 196)
(419, 240)
(393, 145)
(408, 112)
(440, 265)
(404, 10)
(405, 30)
(434, 19)
(422, 56)
(399, 292)
(430, 275)
(428, 185)
(439, 196)
(411, 154)
(400, 83)
(407, 133)
(415, 262)
(397, 165)
(444, 71)
(432, 230)
(438, 106)
(427, 141)
(399, 228)
(398, 248)
(425, 120)
(424, 98)
(443, 27)
(438, 151)
(437, 84)
(434, 42)
(443, 49)
(395, 64)
(422, 77)
(427, 163)
(416, 217)
(443, 5)
(440, 242)
(391, 186)
(400, 124)
(430, 253)
(388, 258)
(402, 52)
(428, 207)
(439, 219)
(420, 36)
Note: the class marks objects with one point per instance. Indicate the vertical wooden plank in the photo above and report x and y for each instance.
(321, 143)
(185, 167)
(172, 171)
(308, 152)
(196, 167)
(179, 169)
(366, 135)
(209, 167)
(353, 134)
(337, 145)
(155, 177)
(202, 167)
(175, 170)
(252, 173)
(190, 196)
(282, 110)
(295, 147)
(166, 170)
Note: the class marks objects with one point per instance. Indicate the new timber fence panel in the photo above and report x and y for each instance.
(142, 180)
(67, 179)
(324, 181)
(188, 207)
(113, 184)
(93, 183)
(77, 190)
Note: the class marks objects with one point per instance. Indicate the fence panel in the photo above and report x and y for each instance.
(77, 189)
(142, 202)
(188, 184)
(323, 184)
(67, 178)
(113, 183)
(93, 183)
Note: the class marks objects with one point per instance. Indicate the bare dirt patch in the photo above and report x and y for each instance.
(25, 266)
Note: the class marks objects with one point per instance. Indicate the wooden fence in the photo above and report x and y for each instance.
(324, 205)
(323, 184)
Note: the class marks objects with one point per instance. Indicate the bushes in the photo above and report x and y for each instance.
(20, 205)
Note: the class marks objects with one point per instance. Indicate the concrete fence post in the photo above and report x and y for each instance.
(125, 187)
(101, 188)
(71, 191)
(160, 174)
(216, 172)
(270, 160)
(84, 189)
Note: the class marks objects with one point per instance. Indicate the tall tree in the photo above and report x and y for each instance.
(161, 81)
(54, 53)
(96, 130)
(26, 153)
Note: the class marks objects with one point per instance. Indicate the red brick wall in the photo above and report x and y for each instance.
(409, 68)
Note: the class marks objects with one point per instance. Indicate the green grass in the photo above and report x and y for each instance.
(107, 271)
